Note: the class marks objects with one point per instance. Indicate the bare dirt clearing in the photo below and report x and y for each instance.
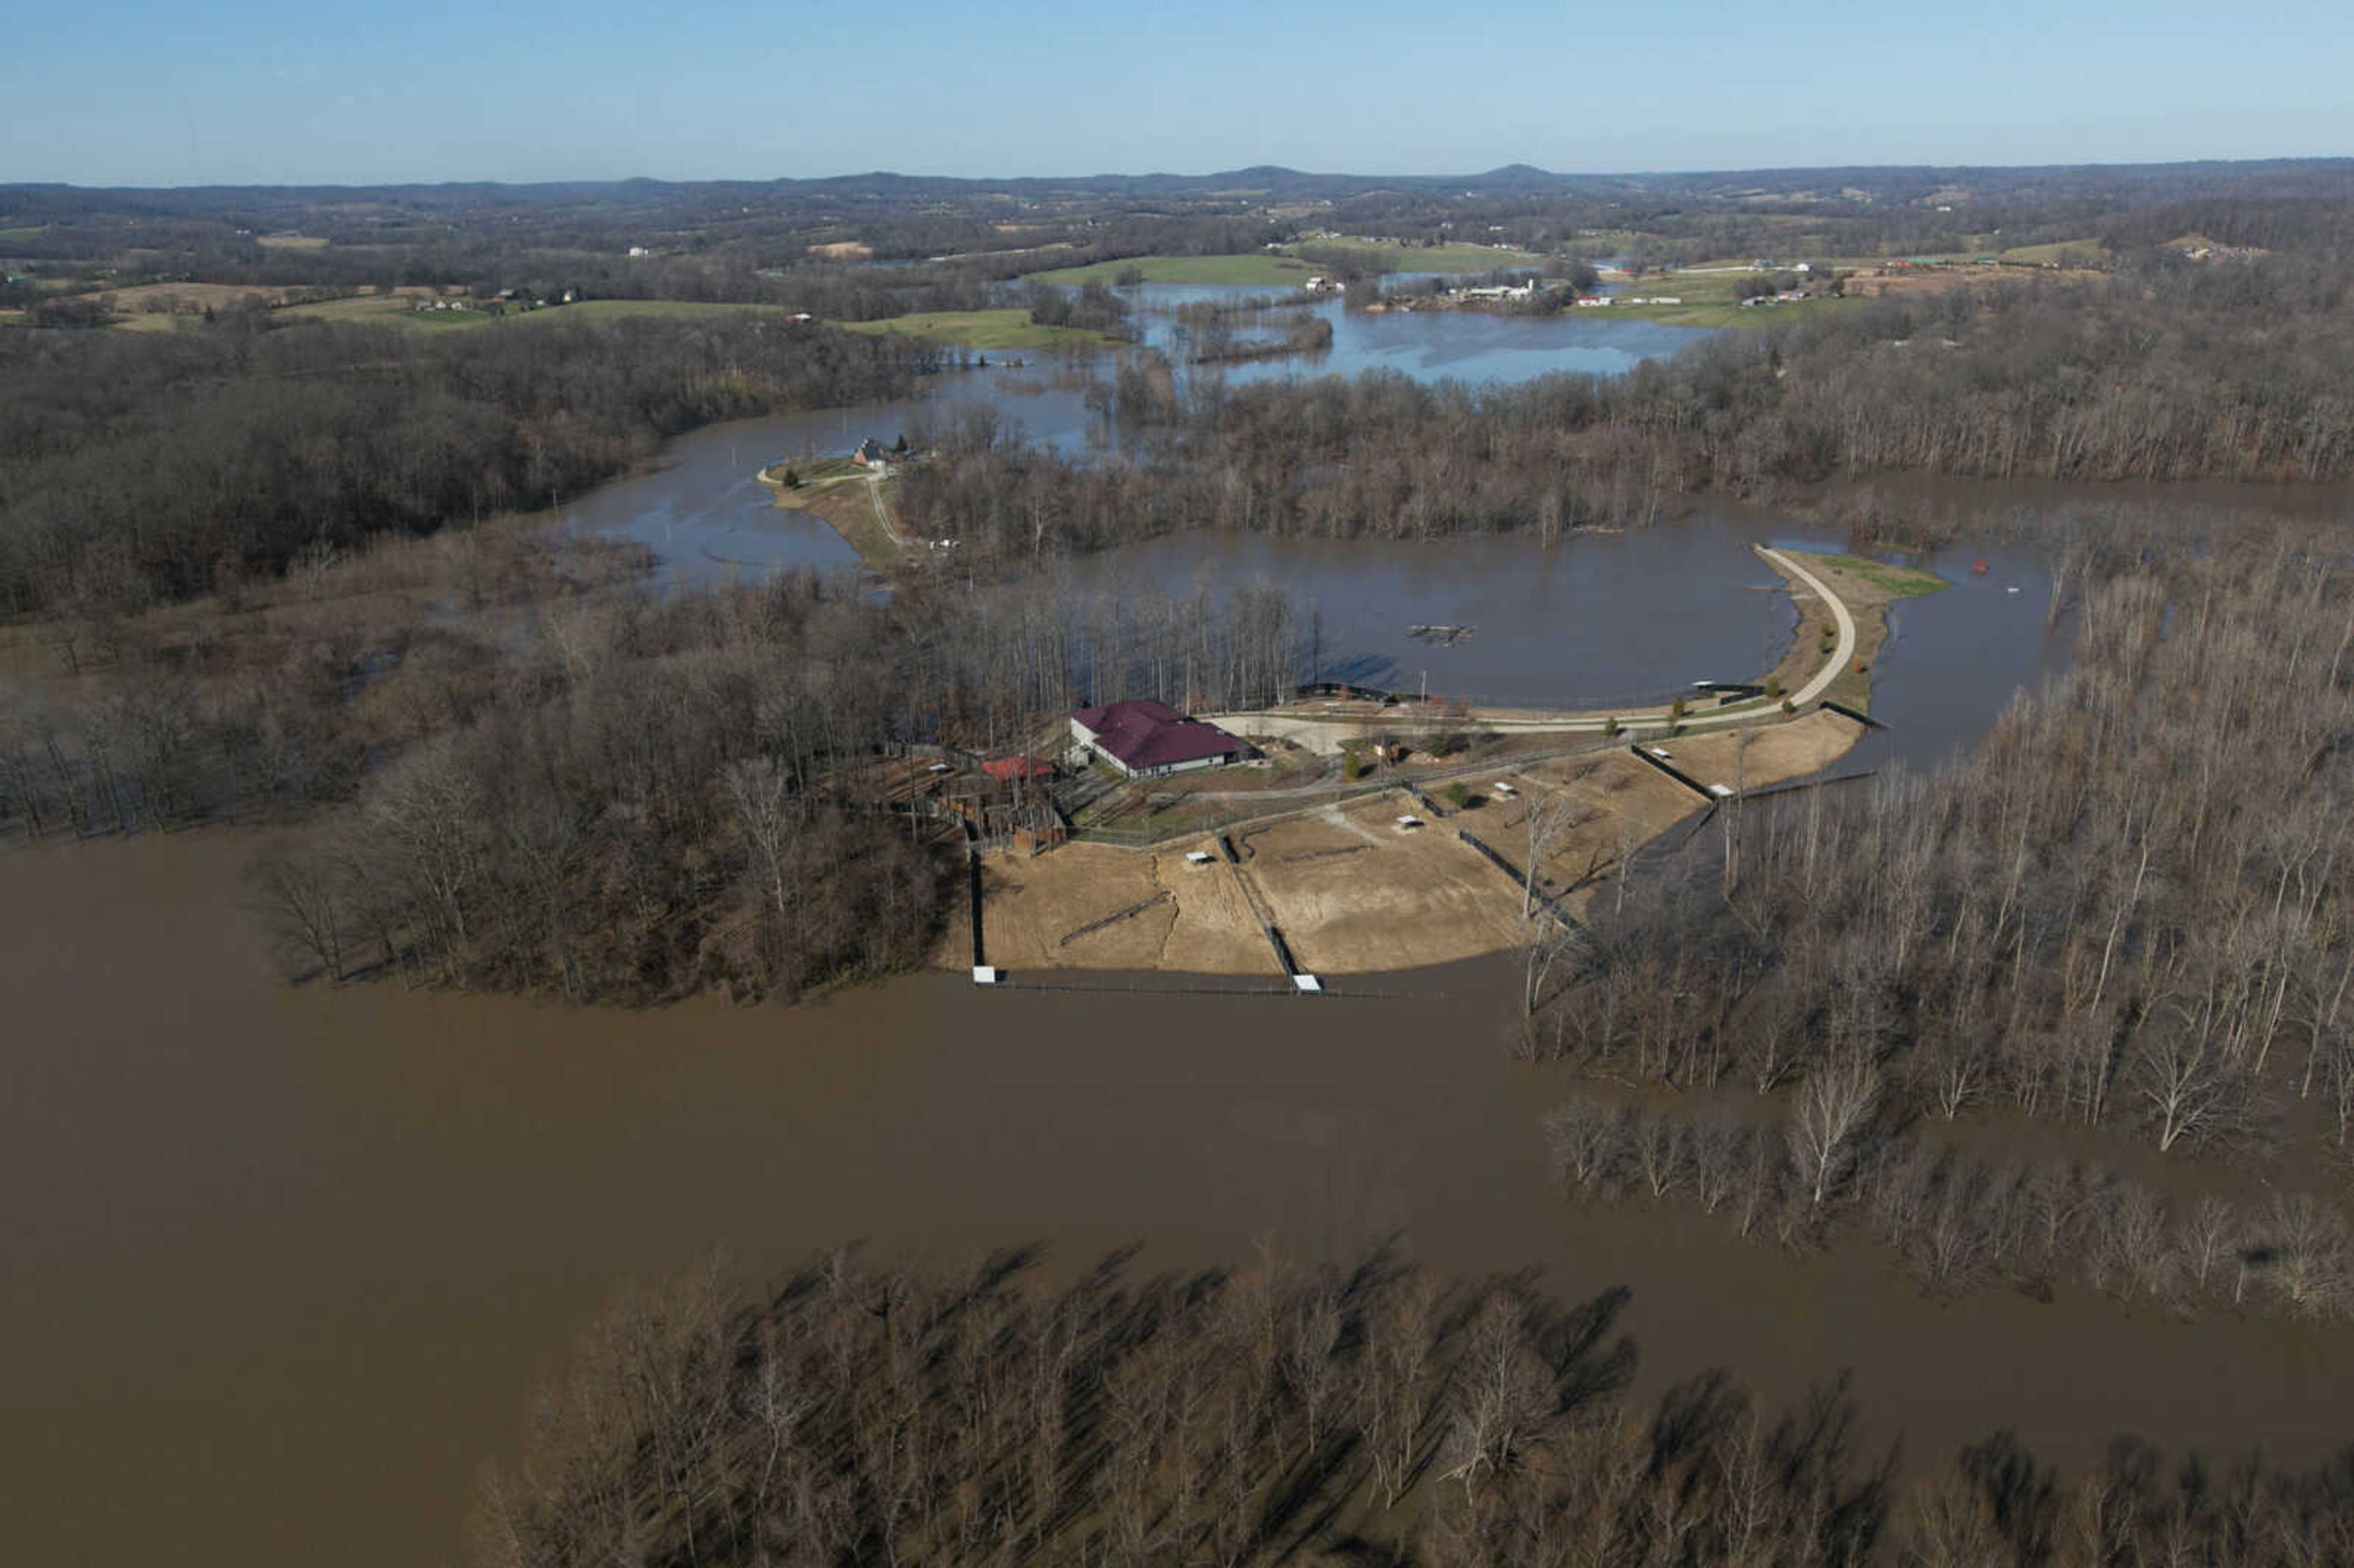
(1158, 911)
(1350, 889)
(1617, 803)
(1353, 893)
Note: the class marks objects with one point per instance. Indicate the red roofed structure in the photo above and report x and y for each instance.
(1012, 769)
(1146, 739)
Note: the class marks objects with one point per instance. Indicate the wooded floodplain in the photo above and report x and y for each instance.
(2124, 915)
(855, 1413)
(2174, 373)
(137, 469)
(2072, 1011)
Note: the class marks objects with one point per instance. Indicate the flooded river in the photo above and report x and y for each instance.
(1478, 347)
(283, 1266)
(1597, 621)
(703, 512)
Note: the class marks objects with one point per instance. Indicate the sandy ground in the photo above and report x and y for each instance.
(1617, 803)
(1749, 758)
(1353, 893)
(1031, 904)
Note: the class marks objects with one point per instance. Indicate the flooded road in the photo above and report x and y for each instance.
(283, 1267)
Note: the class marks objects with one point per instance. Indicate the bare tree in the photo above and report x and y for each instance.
(1589, 1143)
(2305, 1252)
(1832, 1112)
(299, 896)
(2210, 1241)
(2187, 1089)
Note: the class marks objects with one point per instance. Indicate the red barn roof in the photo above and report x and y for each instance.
(1006, 769)
(1144, 735)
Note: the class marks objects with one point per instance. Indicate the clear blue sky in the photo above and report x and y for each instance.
(263, 92)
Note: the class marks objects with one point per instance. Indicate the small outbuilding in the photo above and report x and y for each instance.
(1017, 769)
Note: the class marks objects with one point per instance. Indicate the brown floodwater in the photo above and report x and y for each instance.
(278, 1269)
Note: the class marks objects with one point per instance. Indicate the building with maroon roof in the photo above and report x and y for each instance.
(1145, 739)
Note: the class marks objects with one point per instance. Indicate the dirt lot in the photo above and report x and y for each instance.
(1622, 804)
(1617, 805)
(1749, 758)
(1353, 893)
(1201, 926)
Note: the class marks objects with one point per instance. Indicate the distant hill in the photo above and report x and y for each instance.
(2326, 178)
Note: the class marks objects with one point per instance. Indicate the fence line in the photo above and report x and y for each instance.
(1212, 988)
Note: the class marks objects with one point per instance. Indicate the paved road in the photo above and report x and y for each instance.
(1841, 656)
(1327, 734)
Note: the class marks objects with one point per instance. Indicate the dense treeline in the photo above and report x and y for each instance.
(2128, 907)
(855, 1415)
(1958, 1221)
(642, 808)
(2179, 373)
(508, 769)
(2126, 912)
(140, 468)
(663, 799)
(268, 705)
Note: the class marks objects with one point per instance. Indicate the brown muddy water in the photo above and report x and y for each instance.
(283, 1266)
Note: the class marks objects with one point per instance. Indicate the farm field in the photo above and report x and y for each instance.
(1257, 270)
(397, 310)
(2059, 253)
(1010, 328)
(1709, 298)
(1457, 258)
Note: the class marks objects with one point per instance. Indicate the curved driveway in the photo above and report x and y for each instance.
(1844, 654)
(1318, 734)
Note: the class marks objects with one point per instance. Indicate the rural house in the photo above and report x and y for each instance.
(1145, 739)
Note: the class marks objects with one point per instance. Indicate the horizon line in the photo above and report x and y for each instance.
(1525, 169)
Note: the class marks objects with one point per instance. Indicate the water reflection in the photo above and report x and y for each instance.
(1476, 346)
